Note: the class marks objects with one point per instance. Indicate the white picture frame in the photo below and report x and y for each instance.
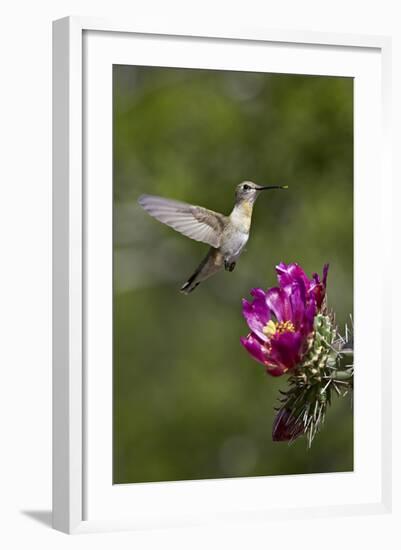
(83, 496)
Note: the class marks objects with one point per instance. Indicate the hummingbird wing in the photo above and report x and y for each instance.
(195, 222)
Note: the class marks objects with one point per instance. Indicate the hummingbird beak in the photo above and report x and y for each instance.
(264, 188)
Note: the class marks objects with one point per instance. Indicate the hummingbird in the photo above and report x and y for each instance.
(226, 235)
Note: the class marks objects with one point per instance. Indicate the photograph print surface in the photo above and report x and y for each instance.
(233, 274)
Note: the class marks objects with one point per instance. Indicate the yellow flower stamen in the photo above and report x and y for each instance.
(270, 328)
(285, 326)
(273, 328)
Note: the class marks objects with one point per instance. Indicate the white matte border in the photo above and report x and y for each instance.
(140, 505)
(213, 498)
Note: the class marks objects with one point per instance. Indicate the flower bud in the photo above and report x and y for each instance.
(286, 427)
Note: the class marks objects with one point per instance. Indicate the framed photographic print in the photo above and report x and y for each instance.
(218, 199)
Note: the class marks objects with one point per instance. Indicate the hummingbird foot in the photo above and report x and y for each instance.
(229, 266)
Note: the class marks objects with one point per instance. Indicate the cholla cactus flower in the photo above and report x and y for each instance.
(281, 319)
(292, 332)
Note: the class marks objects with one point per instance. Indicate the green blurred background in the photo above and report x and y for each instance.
(189, 402)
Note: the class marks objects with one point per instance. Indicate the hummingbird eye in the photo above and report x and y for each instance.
(245, 187)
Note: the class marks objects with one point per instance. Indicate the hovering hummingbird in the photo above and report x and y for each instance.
(226, 235)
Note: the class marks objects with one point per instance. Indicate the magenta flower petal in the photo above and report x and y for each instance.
(293, 273)
(286, 349)
(309, 317)
(259, 352)
(279, 303)
(290, 273)
(258, 293)
(296, 294)
(254, 347)
(256, 313)
(318, 287)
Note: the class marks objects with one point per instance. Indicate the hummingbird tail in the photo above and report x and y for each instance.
(193, 282)
(188, 286)
(212, 263)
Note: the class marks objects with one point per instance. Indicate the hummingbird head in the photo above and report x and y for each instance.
(249, 191)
